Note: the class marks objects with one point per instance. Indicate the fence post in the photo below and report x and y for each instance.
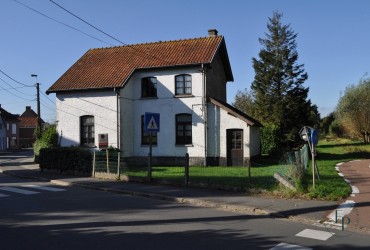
(107, 154)
(118, 165)
(93, 173)
(249, 169)
(186, 169)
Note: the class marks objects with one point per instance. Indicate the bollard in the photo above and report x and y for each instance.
(348, 221)
(186, 169)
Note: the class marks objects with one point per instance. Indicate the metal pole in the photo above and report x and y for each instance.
(150, 158)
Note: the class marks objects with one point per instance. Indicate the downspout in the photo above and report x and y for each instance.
(204, 78)
(118, 108)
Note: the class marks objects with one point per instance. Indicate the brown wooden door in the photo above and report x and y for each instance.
(234, 147)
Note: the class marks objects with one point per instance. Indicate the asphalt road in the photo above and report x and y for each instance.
(40, 215)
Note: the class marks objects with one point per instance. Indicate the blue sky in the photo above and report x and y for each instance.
(333, 39)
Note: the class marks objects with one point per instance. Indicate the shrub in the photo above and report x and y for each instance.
(269, 139)
(48, 139)
(63, 159)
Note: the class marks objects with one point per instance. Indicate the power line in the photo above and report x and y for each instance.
(112, 37)
(5, 74)
(57, 21)
(13, 87)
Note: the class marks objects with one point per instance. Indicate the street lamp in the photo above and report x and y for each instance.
(38, 106)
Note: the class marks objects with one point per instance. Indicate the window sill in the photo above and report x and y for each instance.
(88, 146)
(148, 97)
(184, 145)
(183, 96)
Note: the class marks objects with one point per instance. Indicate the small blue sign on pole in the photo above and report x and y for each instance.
(151, 122)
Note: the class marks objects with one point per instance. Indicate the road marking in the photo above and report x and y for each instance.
(355, 190)
(315, 234)
(3, 195)
(337, 169)
(346, 180)
(341, 163)
(340, 174)
(288, 246)
(52, 189)
(18, 190)
(343, 209)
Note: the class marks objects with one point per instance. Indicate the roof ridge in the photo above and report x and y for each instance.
(157, 42)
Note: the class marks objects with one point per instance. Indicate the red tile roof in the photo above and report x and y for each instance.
(112, 67)
(27, 122)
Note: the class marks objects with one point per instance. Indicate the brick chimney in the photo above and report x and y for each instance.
(28, 108)
(212, 32)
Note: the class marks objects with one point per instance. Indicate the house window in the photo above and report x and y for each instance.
(14, 129)
(183, 85)
(183, 129)
(87, 131)
(145, 135)
(149, 87)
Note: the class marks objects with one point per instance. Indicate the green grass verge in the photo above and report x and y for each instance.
(331, 186)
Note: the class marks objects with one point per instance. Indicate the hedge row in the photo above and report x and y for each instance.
(71, 159)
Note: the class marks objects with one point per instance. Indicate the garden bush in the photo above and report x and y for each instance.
(66, 159)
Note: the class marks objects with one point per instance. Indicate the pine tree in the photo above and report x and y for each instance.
(280, 97)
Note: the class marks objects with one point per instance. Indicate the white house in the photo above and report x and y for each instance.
(108, 90)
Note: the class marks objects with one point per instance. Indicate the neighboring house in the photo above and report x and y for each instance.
(2, 134)
(27, 127)
(12, 129)
(108, 90)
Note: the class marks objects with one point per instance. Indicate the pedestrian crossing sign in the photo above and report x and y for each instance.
(151, 122)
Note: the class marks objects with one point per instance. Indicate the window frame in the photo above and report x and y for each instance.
(90, 131)
(184, 139)
(150, 87)
(183, 86)
(145, 135)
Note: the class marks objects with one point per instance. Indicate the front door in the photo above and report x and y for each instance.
(234, 147)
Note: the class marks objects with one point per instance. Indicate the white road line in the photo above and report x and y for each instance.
(288, 246)
(3, 195)
(18, 190)
(44, 188)
(346, 180)
(343, 209)
(315, 234)
(355, 190)
(341, 163)
(340, 174)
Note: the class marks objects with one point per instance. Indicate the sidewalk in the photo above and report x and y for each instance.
(309, 211)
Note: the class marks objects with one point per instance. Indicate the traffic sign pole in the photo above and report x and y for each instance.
(150, 158)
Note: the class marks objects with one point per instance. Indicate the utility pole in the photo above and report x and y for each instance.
(38, 107)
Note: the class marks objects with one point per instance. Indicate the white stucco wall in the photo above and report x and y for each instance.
(219, 121)
(100, 104)
(167, 105)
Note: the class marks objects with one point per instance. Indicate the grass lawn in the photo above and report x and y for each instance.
(331, 186)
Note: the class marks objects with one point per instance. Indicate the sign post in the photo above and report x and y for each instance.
(151, 124)
(310, 135)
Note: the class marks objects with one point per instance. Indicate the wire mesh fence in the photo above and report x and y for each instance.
(110, 164)
(294, 163)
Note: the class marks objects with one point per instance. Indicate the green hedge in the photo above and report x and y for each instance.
(65, 159)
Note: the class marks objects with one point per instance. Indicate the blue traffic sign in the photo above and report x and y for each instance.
(151, 122)
(314, 137)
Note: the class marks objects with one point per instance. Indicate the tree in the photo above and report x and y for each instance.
(353, 110)
(244, 101)
(280, 97)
